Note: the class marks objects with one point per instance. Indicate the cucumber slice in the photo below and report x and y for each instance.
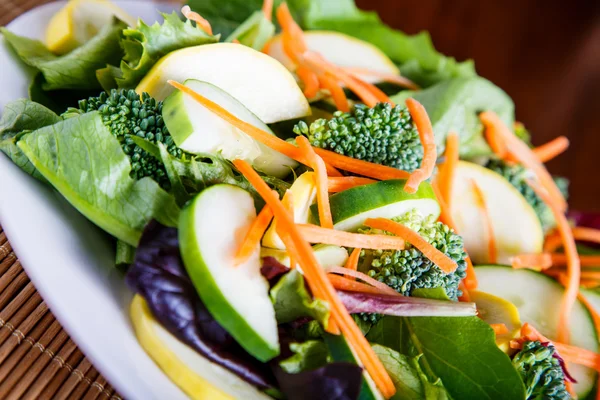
(328, 255)
(195, 375)
(304, 193)
(341, 351)
(516, 227)
(197, 130)
(385, 199)
(538, 298)
(211, 228)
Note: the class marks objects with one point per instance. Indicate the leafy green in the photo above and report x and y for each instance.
(255, 32)
(125, 254)
(85, 163)
(308, 355)
(291, 300)
(461, 351)
(145, 45)
(410, 381)
(454, 105)
(18, 117)
(226, 16)
(74, 70)
(56, 100)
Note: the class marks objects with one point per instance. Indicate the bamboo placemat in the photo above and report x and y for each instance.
(38, 360)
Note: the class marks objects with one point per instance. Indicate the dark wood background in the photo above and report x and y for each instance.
(544, 54)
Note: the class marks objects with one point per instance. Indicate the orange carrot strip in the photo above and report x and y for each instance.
(553, 148)
(318, 165)
(235, 41)
(573, 264)
(361, 167)
(352, 262)
(559, 259)
(470, 280)
(579, 233)
(336, 91)
(339, 184)
(310, 80)
(255, 233)
(267, 9)
(396, 79)
(553, 241)
(493, 137)
(445, 263)
(589, 283)
(585, 274)
(320, 284)
(290, 27)
(421, 119)
(332, 171)
(316, 234)
(532, 261)
(448, 168)
(499, 329)
(201, 22)
(482, 204)
(525, 156)
(350, 285)
(383, 288)
(466, 296)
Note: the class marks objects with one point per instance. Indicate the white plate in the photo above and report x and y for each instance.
(70, 261)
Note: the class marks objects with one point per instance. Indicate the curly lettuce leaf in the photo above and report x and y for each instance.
(146, 44)
(291, 300)
(454, 105)
(85, 163)
(74, 70)
(19, 117)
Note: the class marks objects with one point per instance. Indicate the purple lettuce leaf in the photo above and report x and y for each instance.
(159, 276)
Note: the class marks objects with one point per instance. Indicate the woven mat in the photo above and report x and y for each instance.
(38, 360)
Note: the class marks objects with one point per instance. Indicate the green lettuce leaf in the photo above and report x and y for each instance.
(145, 45)
(74, 70)
(461, 351)
(308, 355)
(454, 105)
(410, 381)
(255, 32)
(291, 300)
(85, 163)
(56, 100)
(23, 116)
(226, 17)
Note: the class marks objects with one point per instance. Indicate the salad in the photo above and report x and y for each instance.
(310, 204)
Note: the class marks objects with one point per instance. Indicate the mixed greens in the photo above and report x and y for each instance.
(310, 204)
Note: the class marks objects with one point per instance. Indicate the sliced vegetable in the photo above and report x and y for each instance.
(553, 148)
(496, 310)
(385, 199)
(485, 212)
(327, 255)
(197, 130)
(507, 209)
(209, 253)
(538, 298)
(421, 119)
(341, 183)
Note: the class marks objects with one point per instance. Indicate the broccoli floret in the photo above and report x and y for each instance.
(408, 269)
(541, 372)
(383, 134)
(517, 176)
(125, 114)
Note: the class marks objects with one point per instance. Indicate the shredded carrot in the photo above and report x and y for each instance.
(320, 284)
(499, 329)
(585, 274)
(466, 296)
(423, 124)
(201, 22)
(553, 148)
(482, 204)
(559, 259)
(332, 171)
(352, 262)
(522, 153)
(447, 170)
(317, 164)
(536, 262)
(445, 263)
(573, 264)
(386, 77)
(470, 280)
(235, 41)
(316, 234)
(255, 233)
(310, 80)
(350, 285)
(492, 135)
(589, 283)
(383, 288)
(337, 93)
(553, 240)
(339, 184)
(267, 9)
(361, 167)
